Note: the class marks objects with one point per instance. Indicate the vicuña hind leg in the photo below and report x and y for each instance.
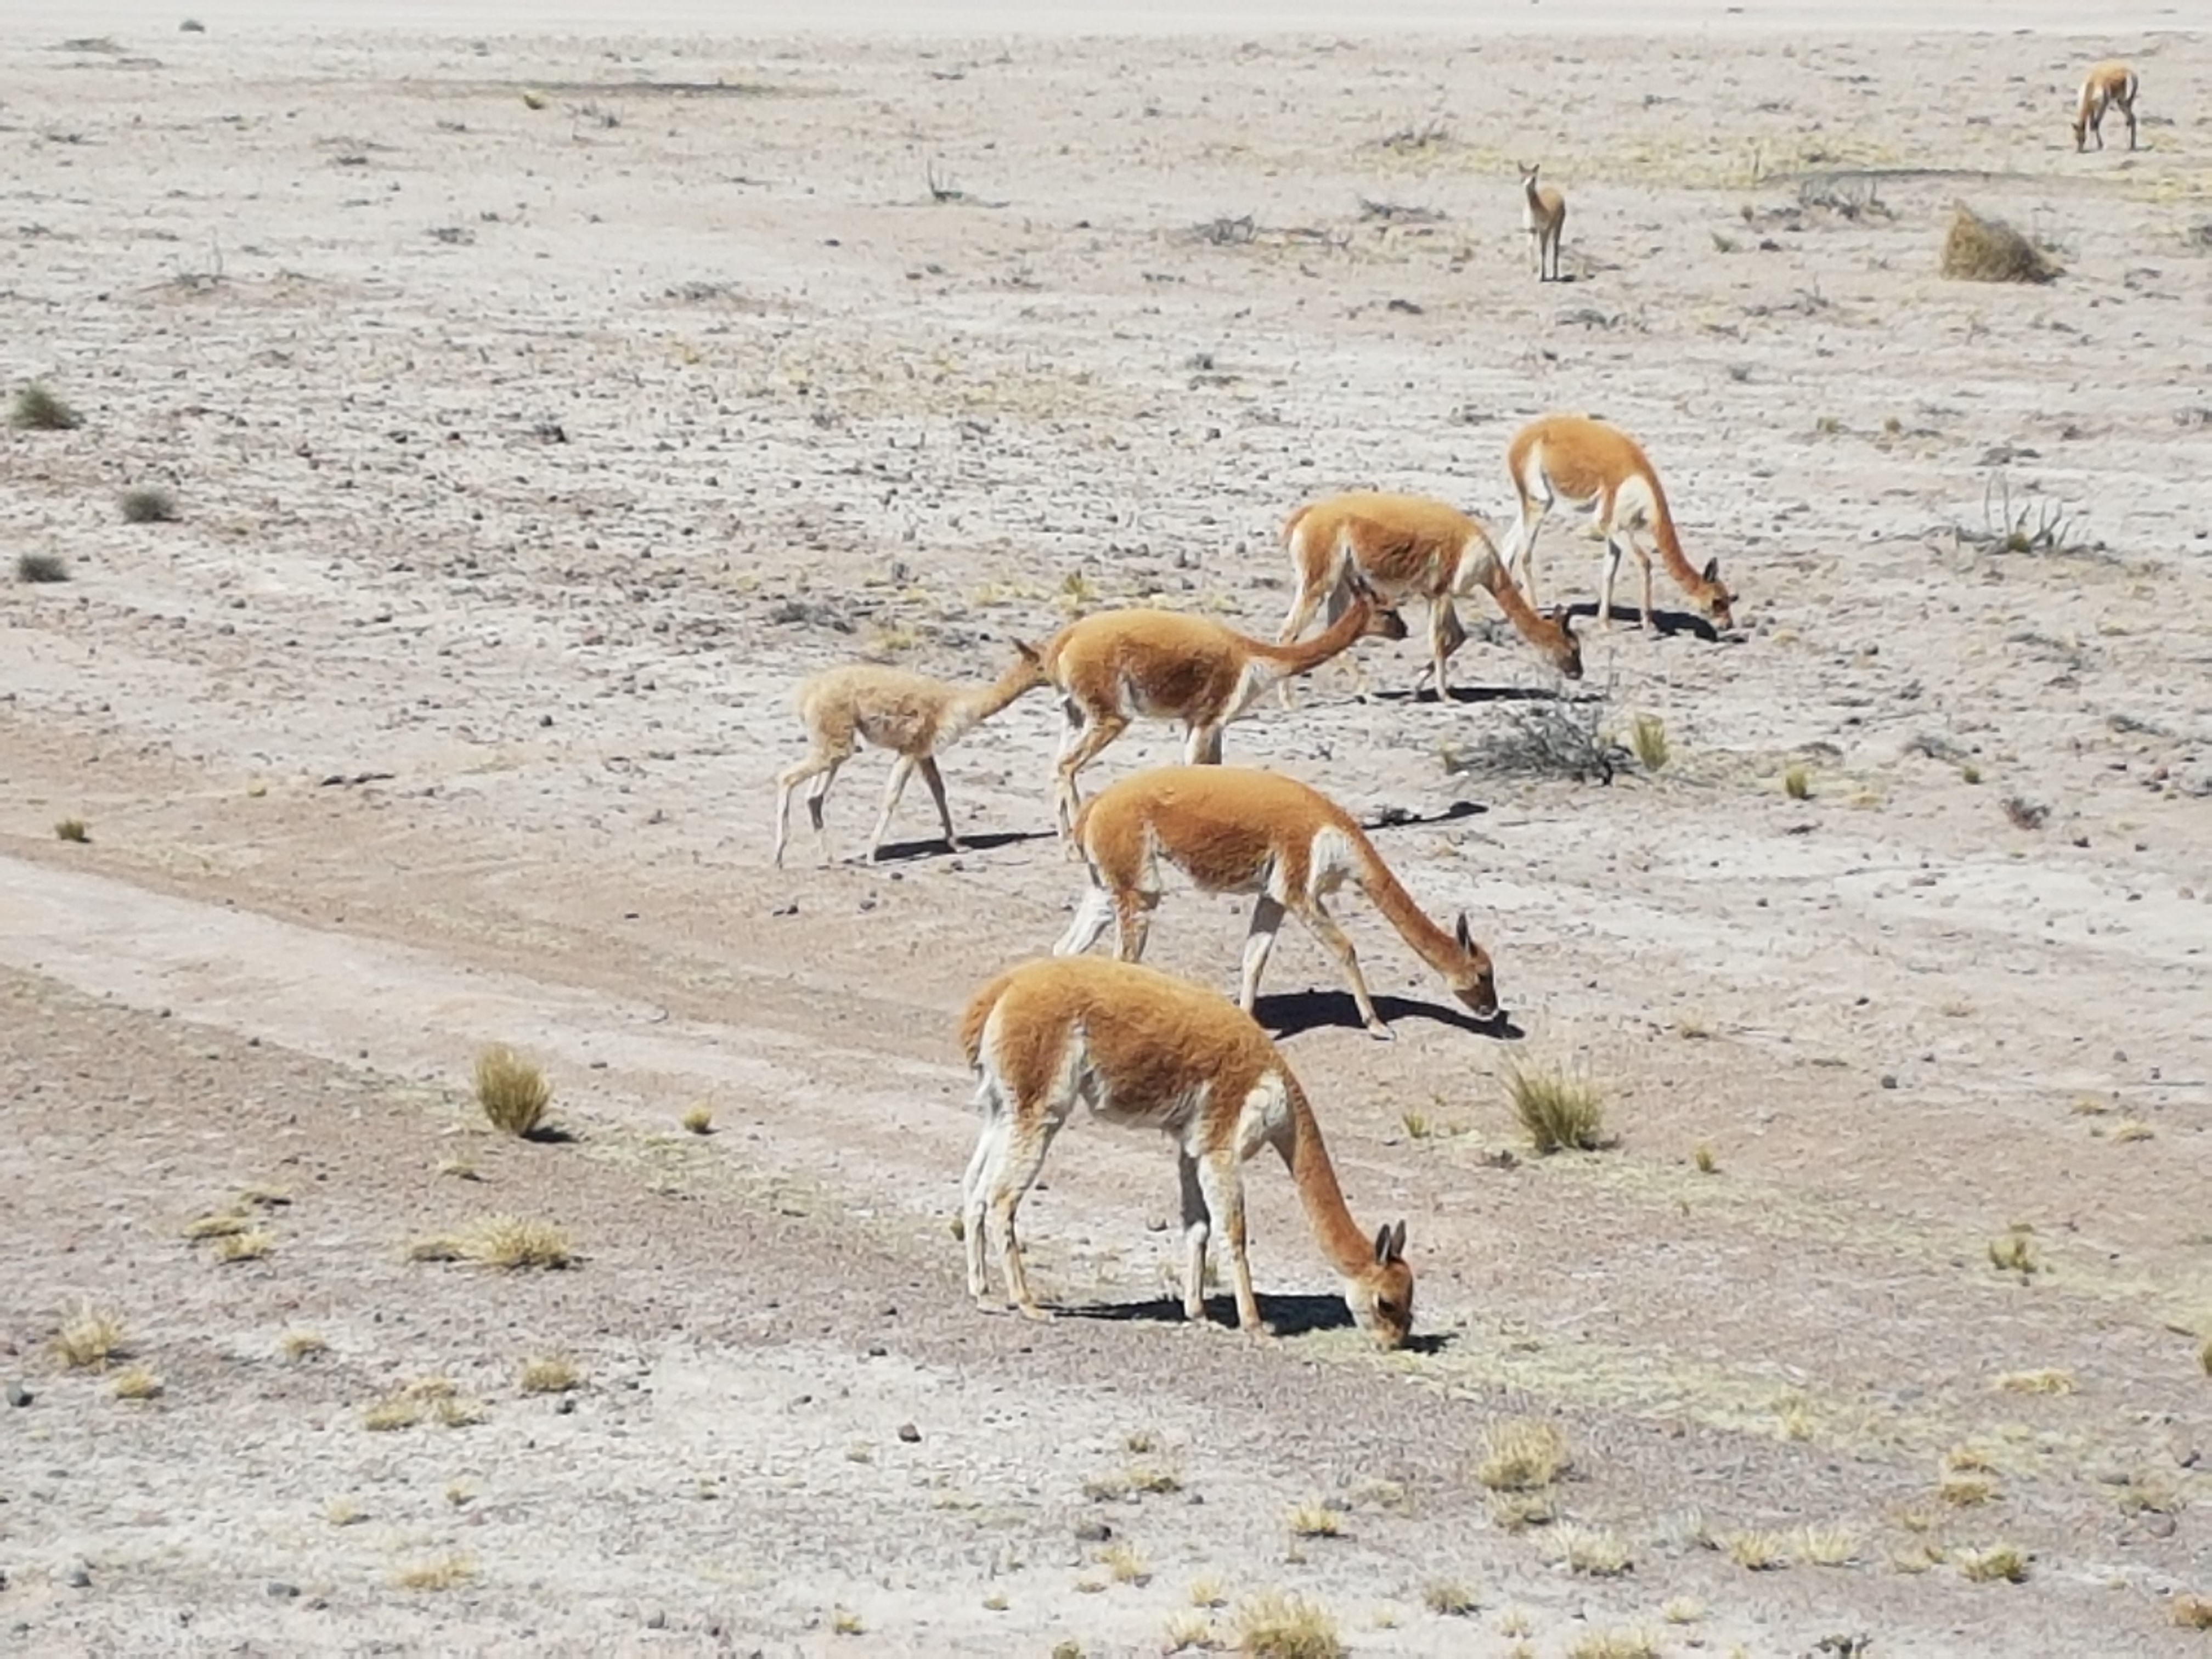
(1094, 913)
(1259, 940)
(1521, 556)
(1605, 588)
(1078, 748)
(926, 764)
(823, 769)
(901, 769)
(1302, 612)
(1013, 1172)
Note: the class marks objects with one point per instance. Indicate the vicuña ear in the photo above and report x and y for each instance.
(1713, 570)
(1029, 652)
(1465, 938)
(1565, 619)
(1382, 1243)
(1397, 1243)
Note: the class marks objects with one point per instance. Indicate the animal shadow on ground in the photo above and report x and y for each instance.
(1397, 817)
(1291, 1013)
(1666, 623)
(990, 841)
(1474, 694)
(1287, 1315)
(550, 1134)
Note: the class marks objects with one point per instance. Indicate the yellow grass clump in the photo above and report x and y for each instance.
(1979, 250)
(1561, 1111)
(1272, 1625)
(550, 1374)
(442, 1572)
(89, 1338)
(298, 1344)
(512, 1092)
(1999, 1562)
(1616, 1645)
(1521, 1455)
(2039, 1381)
(1316, 1521)
(498, 1241)
(1589, 1551)
(2193, 1611)
(1189, 1631)
(700, 1119)
(137, 1382)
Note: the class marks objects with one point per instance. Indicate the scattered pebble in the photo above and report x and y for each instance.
(1092, 1532)
(908, 1433)
(18, 1395)
(279, 1591)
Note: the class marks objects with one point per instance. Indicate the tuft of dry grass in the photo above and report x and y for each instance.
(1682, 1610)
(2024, 813)
(1316, 1521)
(1127, 1563)
(1559, 1110)
(1978, 250)
(1648, 738)
(344, 1512)
(89, 1337)
(1449, 1601)
(1589, 1551)
(1965, 1489)
(38, 409)
(1756, 1552)
(1517, 1511)
(2042, 1382)
(498, 1241)
(298, 1344)
(1616, 1645)
(149, 504)
(1274, 1625)
(392, 1413)
(700, 1119)
(512, 1092)
(1189, 1631)
(439, 1573)
(2002, 1562)
(1208, 1591)
(249, 1246)
(551, 1374)
(1521, 1453)
(73, 829)
(1827, 1547)
(2192, 1612)
(218, 1225)
(1703, 1158)
(36, 567)
(1797, 783)
(2014, 1253)
(846, 1622)
(138, 1382)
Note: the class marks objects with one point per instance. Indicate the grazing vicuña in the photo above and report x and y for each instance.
(1148, 1050)
(1544, 216)
(2109, 85)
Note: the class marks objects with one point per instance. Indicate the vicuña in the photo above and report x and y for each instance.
(1409, 547)
(1152, 1051)
(1115, 666)
(1544, 216)
(910, 715)
(2110, 84)
(1588, 465)
(1232, 829)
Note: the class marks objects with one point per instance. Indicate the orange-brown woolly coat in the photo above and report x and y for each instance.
(1587, 463)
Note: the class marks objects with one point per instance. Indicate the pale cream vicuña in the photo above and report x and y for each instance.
(2111, 84)
(1116, 666)
(1586, 464)
(1544, 216)
(1148, 1050)
(907, 713)
(1409, 547)
(1232, 829)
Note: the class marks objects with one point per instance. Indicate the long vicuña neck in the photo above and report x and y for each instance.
(1349, 1250)
(975, 706)
(1281, 661)
(1430, 942)
(1526, 623)
(1670, 545)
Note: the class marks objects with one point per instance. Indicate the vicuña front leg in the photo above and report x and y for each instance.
(901, 769)
(1520, 557)
(1222, 1185)
(935, 780)
(1196, 1218)
(1093, 914)
(1266, 921)
(1302, 612)
(1080, 746)
(823, 769)
(1326, 930)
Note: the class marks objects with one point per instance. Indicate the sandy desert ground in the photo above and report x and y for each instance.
(525, 457)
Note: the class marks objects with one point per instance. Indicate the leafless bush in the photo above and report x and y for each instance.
(1850, 195)
(2034, 527)
(1549, 739)
(1979, 250)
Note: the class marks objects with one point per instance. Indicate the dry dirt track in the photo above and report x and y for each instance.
(527, 457)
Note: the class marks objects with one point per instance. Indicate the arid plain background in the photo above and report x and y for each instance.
(527, 457)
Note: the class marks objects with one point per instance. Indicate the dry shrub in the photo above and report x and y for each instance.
(498, 1241)
(1449, 1601)
(138, 1382)
(444, 1572)
(1616, 1645)
(1316, 1520)
(551, 1374)
(89, 1338)
(512, 1092)
(75, 830)
(1999, 1561)
(149, 504)
(40, 567)
(1560, 1110)
(38, 410)
(1589, 1551)
(298, 1344)
(1275, 1626)
(1979, 250)
(1521, 1455)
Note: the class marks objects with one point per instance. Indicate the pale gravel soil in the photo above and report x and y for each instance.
(530, 525)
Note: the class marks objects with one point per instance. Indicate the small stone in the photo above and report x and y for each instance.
(908, 1433)
(18, 1395)
(656, 1620)
(1092, 1532)
(1889, 1079)
(564, 1404)
(790, 909)
(79, 1576)
(279, 1591)
(877, 1351)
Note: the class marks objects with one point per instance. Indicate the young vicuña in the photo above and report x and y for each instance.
(1232, 829)
(1544, 216)
(1411, 547)
(2109, 84)
(907, 713)
(1115, 665)
(1148, 1050)
(1587, 464)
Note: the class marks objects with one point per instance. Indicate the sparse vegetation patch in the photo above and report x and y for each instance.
(1274, 1625)
(38, 410)
(91, 1336)
(40, 567)
(512, 1092)
(149, 504)
(1561, 1111)
(1978, 250)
